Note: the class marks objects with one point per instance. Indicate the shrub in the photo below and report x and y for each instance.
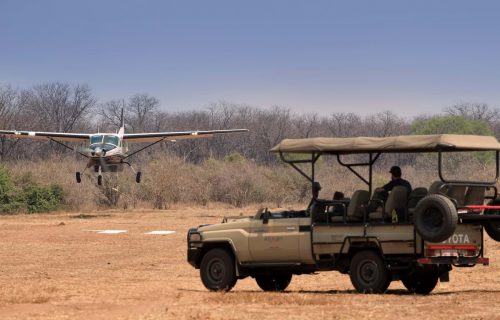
(22, 194)
(44, 199)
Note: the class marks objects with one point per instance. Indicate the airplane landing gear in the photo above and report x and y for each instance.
(138, 174)
(99, 177)
(78, 177)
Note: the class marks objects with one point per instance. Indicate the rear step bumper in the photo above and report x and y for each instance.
(456, 261)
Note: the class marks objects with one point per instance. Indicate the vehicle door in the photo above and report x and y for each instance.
(275, 240)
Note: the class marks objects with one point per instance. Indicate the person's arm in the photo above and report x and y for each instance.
(388, 186)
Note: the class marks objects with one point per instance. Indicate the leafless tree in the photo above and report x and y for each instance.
(141, 109)
(474, 111)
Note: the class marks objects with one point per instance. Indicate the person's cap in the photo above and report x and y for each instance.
(395, 170)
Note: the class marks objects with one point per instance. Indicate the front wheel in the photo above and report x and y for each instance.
(421, 282)
(138, 177)
(217, 270)
(275, 282)
(78, 177)
(368, 272)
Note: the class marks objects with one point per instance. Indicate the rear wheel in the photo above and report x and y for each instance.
(78, 177)
(217, 270)
(275, 282)
(435, 218)
(368, 272)
(99, 180)
(493, 227)
(421, 282)
(138, 177)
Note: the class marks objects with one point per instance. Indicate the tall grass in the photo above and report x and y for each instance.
(170, 181)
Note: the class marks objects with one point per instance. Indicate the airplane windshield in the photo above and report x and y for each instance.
(111, 140)
(96, 139)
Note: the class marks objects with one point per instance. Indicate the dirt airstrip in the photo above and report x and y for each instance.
(58, 267)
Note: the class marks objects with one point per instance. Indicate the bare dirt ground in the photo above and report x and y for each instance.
(53, 267)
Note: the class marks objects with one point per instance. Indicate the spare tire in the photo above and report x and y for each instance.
(435, 218)
(493, 227)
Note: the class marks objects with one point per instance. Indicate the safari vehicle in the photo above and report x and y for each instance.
(440, 227)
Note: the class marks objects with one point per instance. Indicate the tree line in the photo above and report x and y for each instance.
(63, 107)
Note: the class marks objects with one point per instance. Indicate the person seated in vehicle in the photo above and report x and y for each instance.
(396, 180)
(382, 193)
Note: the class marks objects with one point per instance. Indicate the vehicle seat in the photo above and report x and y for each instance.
(355, 209)
(318, 214)
(434, 188)
(475, 195)
(415, 196)
(397, 200)
(457, 193)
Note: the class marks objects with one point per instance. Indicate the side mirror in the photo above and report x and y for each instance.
(265, 217)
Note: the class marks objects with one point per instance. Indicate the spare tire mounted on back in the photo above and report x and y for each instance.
(435, 218)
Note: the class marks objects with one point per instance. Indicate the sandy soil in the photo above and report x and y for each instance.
(54, 267)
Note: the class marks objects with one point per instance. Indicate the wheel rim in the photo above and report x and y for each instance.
(368, 272)
(216, 270)
(432, 219)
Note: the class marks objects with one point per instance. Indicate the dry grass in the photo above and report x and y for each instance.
(50, 268)
(169, 181)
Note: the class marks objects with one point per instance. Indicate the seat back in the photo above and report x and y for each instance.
(398, 198)
(318, 214)
(475, 195)
(415, 196)
(434, 188)
(359, 199)
(457, 193)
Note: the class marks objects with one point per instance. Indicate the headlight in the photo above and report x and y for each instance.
(193, 237)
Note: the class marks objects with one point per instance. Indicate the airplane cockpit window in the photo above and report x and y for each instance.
(113, 140)
(96, 139)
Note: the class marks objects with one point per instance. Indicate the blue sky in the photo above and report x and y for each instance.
(411, 57)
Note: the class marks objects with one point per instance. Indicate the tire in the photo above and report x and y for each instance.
(421, 282)
(138, 177)
(493, 227)
(217, 270)
(99, 180)
(368, 272)
(78, 177)
(275, 282)
(435, 218)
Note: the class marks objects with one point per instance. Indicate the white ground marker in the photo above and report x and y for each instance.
(112, 231)
(162, 232)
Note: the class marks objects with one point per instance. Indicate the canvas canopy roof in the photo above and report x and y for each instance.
(415, 143)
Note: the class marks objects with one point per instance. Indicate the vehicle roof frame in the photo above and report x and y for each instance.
(374, 156)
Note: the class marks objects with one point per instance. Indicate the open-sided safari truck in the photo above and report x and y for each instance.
(436, 227)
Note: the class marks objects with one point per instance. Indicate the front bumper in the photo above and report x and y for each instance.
(193, 249)
(193, 256)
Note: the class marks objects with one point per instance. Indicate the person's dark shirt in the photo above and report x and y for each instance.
(397, 182)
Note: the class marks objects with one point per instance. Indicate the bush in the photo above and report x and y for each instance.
(44, 199)
(24, 195)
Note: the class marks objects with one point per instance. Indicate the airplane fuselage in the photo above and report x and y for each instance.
(107, 151)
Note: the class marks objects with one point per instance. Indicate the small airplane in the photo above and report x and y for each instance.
(108, 152)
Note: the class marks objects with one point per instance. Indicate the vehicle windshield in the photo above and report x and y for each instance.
(96, 139)
(113, 140)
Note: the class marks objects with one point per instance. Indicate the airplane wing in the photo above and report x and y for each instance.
(58, 136)
(157, 136)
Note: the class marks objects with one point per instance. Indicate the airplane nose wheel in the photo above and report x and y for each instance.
(99, 180)
(138, 177)
(78, 177)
